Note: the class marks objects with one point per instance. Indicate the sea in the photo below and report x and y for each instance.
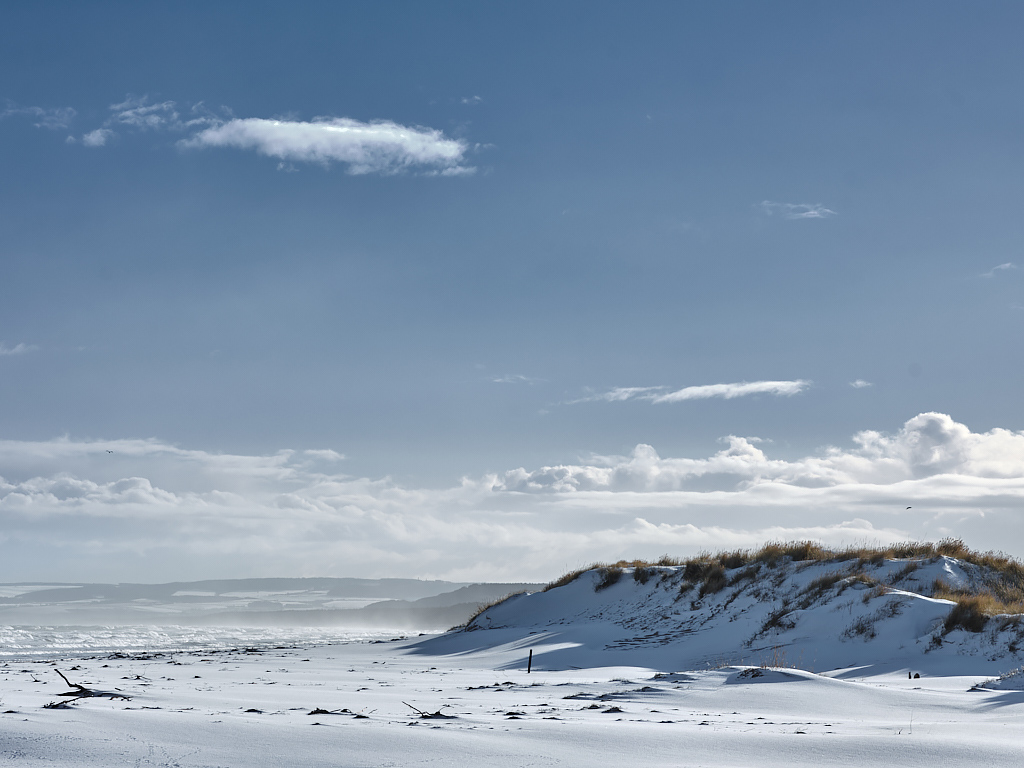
(54, 642)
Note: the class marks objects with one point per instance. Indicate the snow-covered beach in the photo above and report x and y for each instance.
(604, 685)
(255, 708)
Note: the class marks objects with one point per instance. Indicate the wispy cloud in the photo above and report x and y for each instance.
(139, 113)
(515, 378)
(472, 100)
(797, 210)
(55, 118)
(702, 392)
(378, 147)
(17, 349)
(861, 384)
(144, 507)
(1000, 268)
(136, 113)
(618, 395)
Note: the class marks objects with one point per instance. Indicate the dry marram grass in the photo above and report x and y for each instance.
(1000, 592)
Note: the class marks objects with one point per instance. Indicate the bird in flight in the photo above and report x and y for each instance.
(110, 451)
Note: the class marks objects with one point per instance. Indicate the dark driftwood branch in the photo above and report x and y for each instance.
(80, 692)
(429, 715)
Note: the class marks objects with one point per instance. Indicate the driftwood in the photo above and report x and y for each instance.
(429, 715)
(81, 692)
(355, 715)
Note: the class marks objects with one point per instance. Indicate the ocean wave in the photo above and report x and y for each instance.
(17, 642)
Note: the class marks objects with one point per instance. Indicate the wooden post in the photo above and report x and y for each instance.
(529, 663)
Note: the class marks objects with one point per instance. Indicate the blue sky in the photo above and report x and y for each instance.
(435, 244)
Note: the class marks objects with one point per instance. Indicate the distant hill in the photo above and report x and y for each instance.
(343, 602)
(401, 589)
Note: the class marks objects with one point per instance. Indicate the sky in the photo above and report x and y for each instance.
(490, 291)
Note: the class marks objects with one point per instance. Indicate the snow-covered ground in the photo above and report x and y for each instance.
(611, 682)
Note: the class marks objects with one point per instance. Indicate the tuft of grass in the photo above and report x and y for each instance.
(484, 607)
(818, 587)
(695, 570)
(714, 580)
(609, 575)
(732, 560)
(777, 660)
(747, 574)
(969, 613)
(951, 547)
(863, 578)
(878, 591)
(780, 618)
(862, 627)
(994, 597)
(568, 578)
(642, 574)
(823, 583)
(905, 571)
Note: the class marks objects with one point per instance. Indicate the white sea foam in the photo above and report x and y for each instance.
(24, 642)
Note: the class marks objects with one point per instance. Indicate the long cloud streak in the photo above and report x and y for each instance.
(702, 392)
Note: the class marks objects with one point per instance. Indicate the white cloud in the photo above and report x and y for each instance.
(53, 119)
(703, 392)
(377, 147)
(159, 512)
(1001, 267)
(381, 146)
(98, 138)
(472, 100)
(17, 349)
(730, 391)
(325, 454)
(930, 447)
(861, 384)
(797, 210)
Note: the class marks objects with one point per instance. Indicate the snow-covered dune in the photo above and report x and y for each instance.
(816, 615)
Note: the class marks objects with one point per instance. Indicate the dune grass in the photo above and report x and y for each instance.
(484, 606)
(999, 591)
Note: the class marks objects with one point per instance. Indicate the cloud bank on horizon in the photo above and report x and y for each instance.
(134, 502)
